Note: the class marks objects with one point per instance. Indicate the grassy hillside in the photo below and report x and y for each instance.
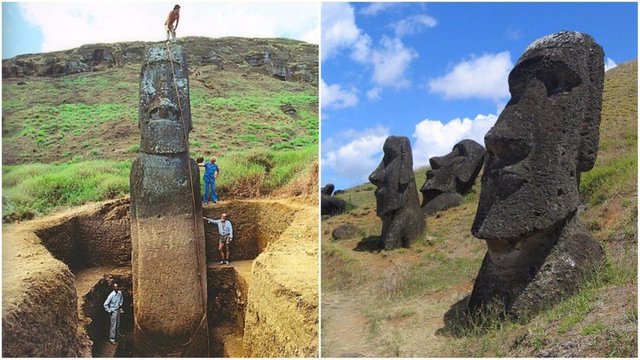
(55, 128)
(402, 296)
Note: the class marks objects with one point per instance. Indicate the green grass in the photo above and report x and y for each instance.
(608, 179)
(37, 189)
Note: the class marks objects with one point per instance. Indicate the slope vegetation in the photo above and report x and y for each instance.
(400, 297)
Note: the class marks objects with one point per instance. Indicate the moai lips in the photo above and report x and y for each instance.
(397, 201)
(545, 137)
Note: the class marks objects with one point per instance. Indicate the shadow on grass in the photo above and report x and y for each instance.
(370, 244)
(456, 319)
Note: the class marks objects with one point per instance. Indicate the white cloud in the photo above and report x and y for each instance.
(609, 64)
(434, 138)
(335, 97)
(68, 25)
(375, 8)
(390, 61)
(357, 156)
(374, 94)
(482, 77)
(339, 28)
(413, 24)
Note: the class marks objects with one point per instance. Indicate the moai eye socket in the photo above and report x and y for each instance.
(557, 76)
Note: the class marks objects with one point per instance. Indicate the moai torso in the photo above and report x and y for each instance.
(451, 176)
(168, 255)
(546, 136)
(397, 201)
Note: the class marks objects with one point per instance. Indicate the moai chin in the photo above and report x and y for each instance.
(451, 176)
(397, 201)
(545, 137)
(167, 233)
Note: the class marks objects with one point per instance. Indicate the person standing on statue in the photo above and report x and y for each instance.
(225, 229)
(113, 306)
(211, 171)
(174, 16)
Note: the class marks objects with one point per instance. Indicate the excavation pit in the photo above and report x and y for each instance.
(57, 272)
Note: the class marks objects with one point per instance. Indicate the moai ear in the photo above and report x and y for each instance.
(589, 132)
(406, 164)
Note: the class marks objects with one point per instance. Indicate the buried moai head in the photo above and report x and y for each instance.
(451, 176)
(329, 204)
(396, 195)
(164, 112)
(546, 135)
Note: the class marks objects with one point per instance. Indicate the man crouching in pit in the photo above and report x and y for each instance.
(225, 230)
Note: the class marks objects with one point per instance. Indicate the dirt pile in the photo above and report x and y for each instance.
(282, 309)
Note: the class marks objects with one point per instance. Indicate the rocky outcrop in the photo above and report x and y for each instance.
(167, 233)
(287, 60)
(396, 195)
(347, 231)
(538, 252)
(451, 176)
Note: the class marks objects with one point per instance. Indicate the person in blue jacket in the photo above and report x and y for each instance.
(113, 306)
(211, 171)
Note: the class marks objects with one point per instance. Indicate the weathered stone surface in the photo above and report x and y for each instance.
(327, 189)
(396, 195)
(168, 254)
(545, 137)
(450, 175)
(347, 231)
(331, 205)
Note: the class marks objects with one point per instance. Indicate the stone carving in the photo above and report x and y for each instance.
(331, 205)
(396, 195)
(451, 176)
(546, 136)
(167, 233)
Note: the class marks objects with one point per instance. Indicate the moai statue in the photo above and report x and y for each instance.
(167, 233)
(331, 205)
(546, 136)
(396, 195)
(451, 176)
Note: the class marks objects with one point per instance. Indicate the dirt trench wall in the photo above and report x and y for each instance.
(98, 236)
(255, 225)
(39, 302)
(282, 310)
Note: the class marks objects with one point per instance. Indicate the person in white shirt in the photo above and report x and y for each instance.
(113, 306)
(226, 236)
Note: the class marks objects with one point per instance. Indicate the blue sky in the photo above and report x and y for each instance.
(33, 27)
(435, 72)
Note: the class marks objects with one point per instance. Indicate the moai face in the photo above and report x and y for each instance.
(546, 135)
(454, 172)
(165, 116)
(393, 175)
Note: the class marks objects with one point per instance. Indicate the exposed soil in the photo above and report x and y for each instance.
(67, 261)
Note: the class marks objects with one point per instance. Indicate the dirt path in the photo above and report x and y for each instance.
(344, 329)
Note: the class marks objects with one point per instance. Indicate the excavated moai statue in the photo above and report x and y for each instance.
(546, 136)
(396, 195)
(329, 204)
(167, 233)
(451, 176)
